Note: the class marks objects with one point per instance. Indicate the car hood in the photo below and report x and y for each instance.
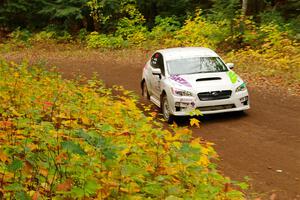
(207, 81)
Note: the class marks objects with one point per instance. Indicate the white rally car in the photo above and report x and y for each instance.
(180, 80)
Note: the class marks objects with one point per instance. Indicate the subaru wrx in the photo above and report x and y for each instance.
(180, 80)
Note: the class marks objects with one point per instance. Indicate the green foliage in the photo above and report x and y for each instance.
(20, 13)
(163, 30)
(102, 10)
(270, 36)
(20, 37)
(273, 16)
(104, 15)
(169, 8)
(225, 9)
(44, 36)
(38, 14)
(267, 36)
(65, 140)
(270, 53)
(129, 23)
(200, 32)
(54, 36)
(82, 35)
(130, 27)
(96, 40)
(25, 38)
(269, 50)
(165, 25)
(71, 9)
(289, 9)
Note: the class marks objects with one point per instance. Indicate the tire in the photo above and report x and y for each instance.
(145, 92)
(165, 109)
(241, 112)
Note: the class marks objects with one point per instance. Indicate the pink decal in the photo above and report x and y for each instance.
(180, 80)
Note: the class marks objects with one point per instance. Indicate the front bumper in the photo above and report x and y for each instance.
(182, 106)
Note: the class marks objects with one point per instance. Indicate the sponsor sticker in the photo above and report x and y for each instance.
(233, 77)
(180, 80)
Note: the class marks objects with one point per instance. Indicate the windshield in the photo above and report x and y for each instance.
(196, 65)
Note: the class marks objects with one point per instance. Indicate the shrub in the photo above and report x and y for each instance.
(63, 140)
(271, 17)
(294, 26)
(54, 36)
(137, 39)
(96, 40)
(63, 36)
(44, 36)
(132, 30)
(198, 31)
(20, 37)
(82, 35)
(163, 30)
(276, 58)
(131, 26)
(52, 33)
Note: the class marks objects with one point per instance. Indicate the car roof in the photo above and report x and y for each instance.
(186, 52)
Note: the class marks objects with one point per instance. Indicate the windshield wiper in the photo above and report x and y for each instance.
(193, 73)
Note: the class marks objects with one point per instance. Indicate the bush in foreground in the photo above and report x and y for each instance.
(65, 140)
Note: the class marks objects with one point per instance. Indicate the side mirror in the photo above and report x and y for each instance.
(156, 71)
(230, 65)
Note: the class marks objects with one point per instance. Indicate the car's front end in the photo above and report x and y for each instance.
(210, 93)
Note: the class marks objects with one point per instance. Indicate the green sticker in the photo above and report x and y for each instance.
(233, 77)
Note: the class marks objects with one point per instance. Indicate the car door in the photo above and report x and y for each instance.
(157, 62)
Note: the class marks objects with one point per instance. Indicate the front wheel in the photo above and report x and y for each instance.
(145, 92)
(165, 108)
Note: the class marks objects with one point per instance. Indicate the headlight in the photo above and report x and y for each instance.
(179, 92)
(242, 87)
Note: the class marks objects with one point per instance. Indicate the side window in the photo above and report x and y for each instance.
(157, 61)
(154, 60)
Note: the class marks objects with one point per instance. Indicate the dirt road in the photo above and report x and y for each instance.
(263, 144)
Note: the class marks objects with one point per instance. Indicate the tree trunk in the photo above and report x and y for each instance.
(244, 7)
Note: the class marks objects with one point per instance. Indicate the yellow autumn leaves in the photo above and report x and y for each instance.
(79, 141)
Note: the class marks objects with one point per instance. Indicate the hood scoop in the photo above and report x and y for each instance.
(209, 79)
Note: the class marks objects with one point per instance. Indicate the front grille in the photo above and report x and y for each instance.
(214, 95)
(218, 107)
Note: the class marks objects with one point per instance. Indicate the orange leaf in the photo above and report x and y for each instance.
(32, 146)
(153, 114)
(43, 171)
(36, 196)
(27, 167)
(5, 124)
(66, 186)
(3, 157)
(61, 157)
